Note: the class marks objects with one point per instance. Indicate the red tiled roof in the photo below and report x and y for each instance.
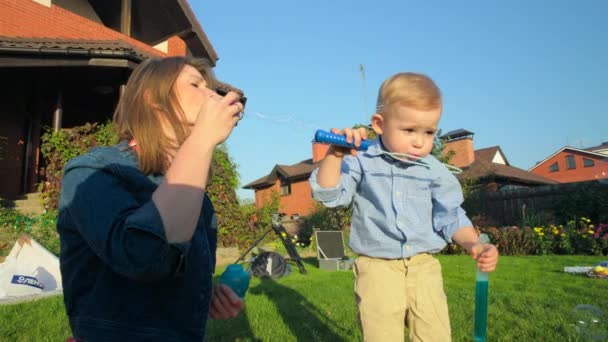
(59, 23)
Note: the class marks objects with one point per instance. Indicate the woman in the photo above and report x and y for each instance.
(137, 230)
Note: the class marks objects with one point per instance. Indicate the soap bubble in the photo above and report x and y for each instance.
(589, 322)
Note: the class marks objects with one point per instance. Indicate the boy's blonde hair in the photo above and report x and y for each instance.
(409, 89)
(150, 92)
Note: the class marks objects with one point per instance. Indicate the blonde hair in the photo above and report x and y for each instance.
(409, 89)
(149, 92)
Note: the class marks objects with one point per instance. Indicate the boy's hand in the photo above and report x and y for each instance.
(225, 303)
(351, 134)
(486, 256)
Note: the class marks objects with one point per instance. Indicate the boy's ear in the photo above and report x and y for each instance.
(377, 123)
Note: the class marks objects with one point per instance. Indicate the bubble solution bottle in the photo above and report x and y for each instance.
(236, 278)
(481, 300)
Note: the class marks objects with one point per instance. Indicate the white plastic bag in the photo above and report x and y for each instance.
(18, 279)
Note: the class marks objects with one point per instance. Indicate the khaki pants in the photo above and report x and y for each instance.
(393, 293)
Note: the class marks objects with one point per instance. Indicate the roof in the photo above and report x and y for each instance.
(455, 134)
(486, 169)
(603, 146)
(85, 49)
(201, 43)
(101, 20)
(302, 169)
(487, 154)
(585, 151)
(81, 47)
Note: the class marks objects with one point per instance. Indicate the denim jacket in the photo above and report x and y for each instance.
(122, 279)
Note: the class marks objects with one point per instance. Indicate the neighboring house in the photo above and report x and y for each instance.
(488, 166)
(63, 62)
(570, 164)
(290, 182)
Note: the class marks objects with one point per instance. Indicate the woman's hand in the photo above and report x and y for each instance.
(352, 135)
(225, 303)
(217, 116)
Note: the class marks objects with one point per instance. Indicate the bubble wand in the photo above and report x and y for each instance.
(481, 300)
(326, 137)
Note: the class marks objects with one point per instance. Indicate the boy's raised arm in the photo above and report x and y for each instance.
(329, 170)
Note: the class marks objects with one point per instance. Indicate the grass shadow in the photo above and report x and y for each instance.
(305, 321)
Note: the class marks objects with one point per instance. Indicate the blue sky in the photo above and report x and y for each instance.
(529, 76)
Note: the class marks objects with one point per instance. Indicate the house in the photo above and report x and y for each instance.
(488, 166)
(290, 182)
(63, 62)
(570, 164)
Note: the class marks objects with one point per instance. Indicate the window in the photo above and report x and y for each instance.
(285, 188)
(570, 163)
(554, 167)
(588, 162)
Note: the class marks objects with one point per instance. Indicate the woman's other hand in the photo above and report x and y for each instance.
(225, 304)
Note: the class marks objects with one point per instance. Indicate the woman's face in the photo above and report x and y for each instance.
(191, 90)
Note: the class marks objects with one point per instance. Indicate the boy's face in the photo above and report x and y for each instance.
(407, 130)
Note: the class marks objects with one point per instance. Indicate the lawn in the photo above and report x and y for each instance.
(531, 299)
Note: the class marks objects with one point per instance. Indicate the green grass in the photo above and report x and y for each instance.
(531, 299)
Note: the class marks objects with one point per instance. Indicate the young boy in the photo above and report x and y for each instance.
(403, 213)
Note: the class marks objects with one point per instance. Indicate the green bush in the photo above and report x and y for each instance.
(58, 147)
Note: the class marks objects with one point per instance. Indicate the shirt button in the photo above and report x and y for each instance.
(398, 193)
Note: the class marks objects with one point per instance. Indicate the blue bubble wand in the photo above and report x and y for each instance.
(330, 138)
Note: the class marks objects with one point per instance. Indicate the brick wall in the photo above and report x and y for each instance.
(177, 47)
(298, 202)
(263, 196)
(578, 174)
(28, 19)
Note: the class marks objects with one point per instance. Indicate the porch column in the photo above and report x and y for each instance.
(125, 17)
(58, 113)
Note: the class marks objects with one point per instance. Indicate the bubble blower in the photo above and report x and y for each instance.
(236, 278)
(330, 138)
(481, 300)
(243, 100)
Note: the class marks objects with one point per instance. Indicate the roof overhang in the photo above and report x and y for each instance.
(21, 52)
(155, 22)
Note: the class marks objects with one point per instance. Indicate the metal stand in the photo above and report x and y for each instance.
(278, 228)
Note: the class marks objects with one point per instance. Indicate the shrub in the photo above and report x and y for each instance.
(57, 148)
(512, 240)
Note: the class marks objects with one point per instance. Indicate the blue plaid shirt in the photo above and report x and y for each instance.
(399, 209)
